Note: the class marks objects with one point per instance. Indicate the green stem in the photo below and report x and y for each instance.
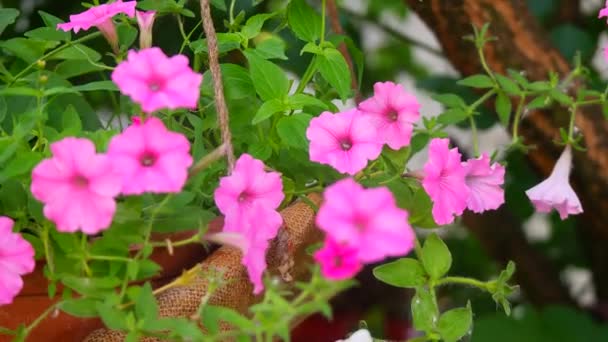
(40, 318)
(187, 41)
(484, 64)
(571, 124)
(231, 12)
(323, 15)
(193, 239)
(481, 100)
(463, 281)
(308, 74)
(417, 248)
(475, 137)
(517, 118)
(52, 53)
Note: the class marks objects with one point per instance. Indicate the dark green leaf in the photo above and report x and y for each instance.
(269, 80)
(7, 17)
(404, 272)
(292, 130)
(436, 257)
(304, 21)
(236, 80)
(261, 150)
(97, 85)
(71, 121)
(29, 50)
(47, 33)
(539, 102)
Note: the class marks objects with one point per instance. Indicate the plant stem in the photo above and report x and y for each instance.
(484, 64)
(462, 281)
(571, 124)
(323, 8)
(308, 74)
(517, 118)
(475, 137)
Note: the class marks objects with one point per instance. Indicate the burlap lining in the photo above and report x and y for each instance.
(286, 258)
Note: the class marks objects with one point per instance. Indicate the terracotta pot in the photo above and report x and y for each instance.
(61, 327)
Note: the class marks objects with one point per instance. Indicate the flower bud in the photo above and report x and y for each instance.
(145, 20)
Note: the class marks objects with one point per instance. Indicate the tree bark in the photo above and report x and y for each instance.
(522, 45)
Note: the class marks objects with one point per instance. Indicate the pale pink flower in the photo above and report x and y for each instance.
(100, 17)
(248, 198)
(156, 81)
(484, 181)
(145, 21)
(606, 54)
(444, 181)
(393, 112)
(555, 192)
(16, 259)
(77, 186)
(338, 260)
(604, 11)
(345, 141)
(150, 158)
(365, 219)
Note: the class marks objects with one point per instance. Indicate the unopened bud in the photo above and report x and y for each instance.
(40, 64)
(43, 79)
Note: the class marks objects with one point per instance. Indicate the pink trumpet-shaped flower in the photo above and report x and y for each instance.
(150, 158)
(16, 259)
(393, 112)
(100, 17)
(444, 181)
(345, 141)
(604, 11)
(77, 186)
(338, 261)
(145, 21)
(365, 219)
(555, 192)
(484, 181)
(248, 198)
(156, 81)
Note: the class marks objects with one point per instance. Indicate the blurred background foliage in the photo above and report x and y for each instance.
(386, 309)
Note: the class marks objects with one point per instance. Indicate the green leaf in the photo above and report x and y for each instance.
(7, 17)
(292, 130)
(21, 164)
(3, 109)
(450, 100)
(503, 108)
(477, 81)
(335, 71)
(404, 272)
(455, 324)
(30, 50)
(113, 318)
(71, 68)
(267, 109)
(299, 101)
(219, 4)
(236, 80)
(560, 97)
(13, 197)
(436, 257)
(421, 210)
(260, 150)
(77, 52)
(424, 310)
(47, 33)
(253, 26)
(20, 91)
(212, 316)
(225, 42)
(80, 307)
(452, 116)
(97, 85)
(145, 305)
(304, 21)
(508, 85)
(539, 102)
(271, 48)
(71, 121)
(269, 80)
(50, 20)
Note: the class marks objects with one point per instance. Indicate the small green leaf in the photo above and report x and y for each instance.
(113, 318)
(539, 86)
(47, 33)
(225, 42)
(7, 17)
(477, 81)
(404, 272)
(292, 130)
(335, 71)
(519, 77)
(71, 121)
(269, 80)
(271, 48)
(455, 324)
(304, 21)
(452, 116)
(80, 307)
(267, 109)
(539, 102)
(299, 101)
(436, 257)
(424, 310)
(97, 85)
(560, 97)
(145, 304)
(503, 108)
(507, 85)
(450, 100)
(253, 26)
(260, 150)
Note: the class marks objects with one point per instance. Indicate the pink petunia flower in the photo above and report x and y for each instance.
(16, 259)
(393, 112)
(77, 186)
(555, 192)
(248, 198)
(604, 11)
(444, 181)
(100, 17)
(484, 181)
(156, 81)
(145, 21)
(150, 158)
(365, 219)
(345, 141)
(606, 54)
(338, 261)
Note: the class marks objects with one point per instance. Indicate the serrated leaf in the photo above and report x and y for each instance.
(503, 108)
(477, 81)
(436, 257)
(404, 272)
(304, 21)
(455, 324)
(335, 71)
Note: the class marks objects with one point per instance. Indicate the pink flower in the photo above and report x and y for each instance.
(606, 53)
(145, 21)
(346, 141)
(368, 220)
(484, 182)
(101, 17)
(248, 198)
(156, 81)
(393, 111)
(150, 158)
(16, 259)
(603, 11)
(338, 261)
(555, 192)
(77, 186)
(444, 181)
